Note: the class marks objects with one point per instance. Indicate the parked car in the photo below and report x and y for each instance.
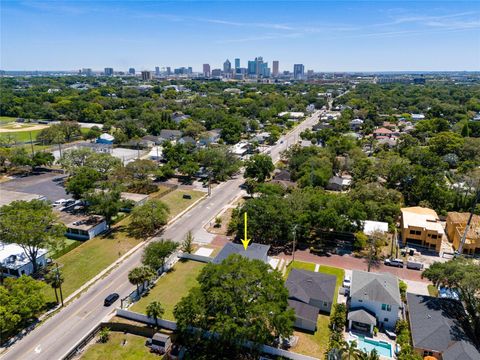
(414, 265)
(394, 262)
(347, 282)
(187, 196)
(110, 299)
(59, 202)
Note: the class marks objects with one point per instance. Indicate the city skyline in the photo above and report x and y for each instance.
(325, 36)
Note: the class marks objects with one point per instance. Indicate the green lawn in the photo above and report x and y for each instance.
(339, 273)
(7, 119)
(176, 203)
(87, 260)
(432, 290)
(20, 136)
(113, 349)
(299, 265)
(171, 287)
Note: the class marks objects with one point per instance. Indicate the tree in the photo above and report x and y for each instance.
(74, 158)
(259, 167)
(55, 279)
(147, 219)
(155, 310)
(349, 350)
(42, 158)
(104, 335)
(157, 252)
(82, 181)
(19, 157)
(239, 300)
(187, 245)
(220, 162)
(107, 203)
(32, 225)
(464, 275)
(140, 275)
(20, 301)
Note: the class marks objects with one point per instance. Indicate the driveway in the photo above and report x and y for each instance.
(41, 184)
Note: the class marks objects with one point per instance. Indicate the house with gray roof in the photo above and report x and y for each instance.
(436, 328)
(254, 252)
(170, 135)
(374, 301)
(310, 292)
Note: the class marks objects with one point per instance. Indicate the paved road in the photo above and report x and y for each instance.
(61, 332)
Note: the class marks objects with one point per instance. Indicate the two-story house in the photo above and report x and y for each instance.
(374, 301)
(421, 226)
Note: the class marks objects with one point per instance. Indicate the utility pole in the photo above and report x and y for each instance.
(31, 143)
(467, 227)
(294, 241)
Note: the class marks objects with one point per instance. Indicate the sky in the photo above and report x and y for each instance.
(323, 35)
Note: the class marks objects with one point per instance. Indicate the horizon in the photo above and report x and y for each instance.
(357, 37)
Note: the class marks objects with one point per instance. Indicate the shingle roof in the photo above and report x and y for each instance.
(304, 285)
(435, 325)
(304, 311)
(254, 251)
(382, 288)
(362, 316)
(170, 134)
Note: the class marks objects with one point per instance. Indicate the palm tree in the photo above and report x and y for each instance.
(155, 310)
(187, 245)
(350, 351)
(372, 355)
(140, 275)
(55, 279)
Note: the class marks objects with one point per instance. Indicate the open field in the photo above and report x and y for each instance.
(14, 127)
(19, 135)
(171, 287)
(7, 119)
(176, 203)
(120, 346)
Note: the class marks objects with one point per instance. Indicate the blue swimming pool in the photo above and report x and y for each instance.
(383, 348)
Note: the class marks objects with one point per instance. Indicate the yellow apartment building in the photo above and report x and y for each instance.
(456, 223)
(421, 226)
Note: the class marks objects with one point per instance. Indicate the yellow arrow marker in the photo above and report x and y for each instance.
(245, 240)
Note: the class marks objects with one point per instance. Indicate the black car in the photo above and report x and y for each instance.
(110, 299)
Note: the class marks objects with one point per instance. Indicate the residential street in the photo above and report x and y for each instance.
(54, 338)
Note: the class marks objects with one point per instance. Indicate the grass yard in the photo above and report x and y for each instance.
(176, 203)
(20, 136)
(314, 344)
(87, 260)
(299, 265)
(171, 287)
(7, 119)
(432, 290)
(134, 349)
(339, 273)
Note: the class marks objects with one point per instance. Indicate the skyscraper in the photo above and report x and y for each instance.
(252, 67)
(146, 75)
(237, 63)
(157, 71)
(298, 71)
(206, 70)
(227, 66)
(275, 68)
(108, 71)
(131, 71)
(259, 65)
(169, 70)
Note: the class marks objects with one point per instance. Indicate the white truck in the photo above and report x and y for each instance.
(414, 265)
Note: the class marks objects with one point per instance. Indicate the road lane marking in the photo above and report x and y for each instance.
(38, 349)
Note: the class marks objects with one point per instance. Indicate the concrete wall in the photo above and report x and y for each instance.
(200, 258)
(167, 324)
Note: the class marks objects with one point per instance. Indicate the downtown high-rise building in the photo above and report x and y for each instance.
(169, 70)
(237, 63)
(227, 67)
(146, 75)
(131, 71)
(157, 71)
(275, 68)
(206, 70)
(108, 71)
(298, 71)
(252, 67)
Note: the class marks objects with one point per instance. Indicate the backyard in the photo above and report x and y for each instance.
(316, 344)
(120, 346)
(171, 287)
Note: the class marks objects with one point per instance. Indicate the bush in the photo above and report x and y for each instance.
(104, 335)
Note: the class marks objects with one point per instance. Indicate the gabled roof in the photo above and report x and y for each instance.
(382, 131)
(382, 288)
(304, 311)
(305, 285)
(170, 134)
(435, 325)
(254, 251)
(362, 316)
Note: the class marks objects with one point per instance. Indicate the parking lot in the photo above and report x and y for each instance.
(48, 184)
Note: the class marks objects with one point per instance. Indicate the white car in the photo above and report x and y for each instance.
(59, 202)
(347, 282)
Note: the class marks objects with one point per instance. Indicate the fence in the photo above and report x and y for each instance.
(194, 257)
(82, 343)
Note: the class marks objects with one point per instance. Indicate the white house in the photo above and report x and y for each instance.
(292, 114)
(374, 301)
(15, 261)
(369, 227)
(86, 228)
(417, 117)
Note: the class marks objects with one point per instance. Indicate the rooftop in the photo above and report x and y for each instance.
(382, 288)
(254, 252)
(435, 325)
(13, 256)
(86, 223)
(421, 217)
(304, 311)
(304, 285)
